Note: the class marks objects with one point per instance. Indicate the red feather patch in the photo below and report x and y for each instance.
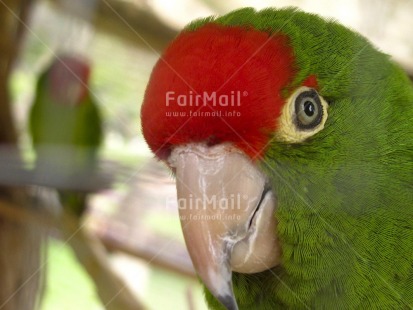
(311, 81)
(217, 84)
(68, 80)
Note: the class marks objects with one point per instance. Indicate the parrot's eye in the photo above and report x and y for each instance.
(303, 115)
(308, 109)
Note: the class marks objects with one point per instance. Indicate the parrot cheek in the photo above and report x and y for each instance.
(69, 94)
(75, 93)
(227, 215)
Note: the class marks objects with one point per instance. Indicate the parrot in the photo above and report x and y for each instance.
(291, 140)
(66, 127)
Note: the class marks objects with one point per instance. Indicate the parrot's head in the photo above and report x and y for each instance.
(68, 80)
(272, 123)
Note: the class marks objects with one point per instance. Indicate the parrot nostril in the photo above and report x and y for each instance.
(163, 153)
(212, 140)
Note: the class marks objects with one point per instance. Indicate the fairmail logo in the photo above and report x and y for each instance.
(212, 99)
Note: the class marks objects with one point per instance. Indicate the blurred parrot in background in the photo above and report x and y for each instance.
(291, 139)
(66, 128)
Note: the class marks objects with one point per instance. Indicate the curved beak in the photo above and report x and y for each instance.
(226, 209)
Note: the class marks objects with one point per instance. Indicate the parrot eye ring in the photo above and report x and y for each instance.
(308, 109)
(303, 115)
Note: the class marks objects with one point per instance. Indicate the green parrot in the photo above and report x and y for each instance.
(291, 139)
(66, 128)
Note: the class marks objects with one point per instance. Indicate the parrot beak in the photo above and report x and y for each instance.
(226, 208)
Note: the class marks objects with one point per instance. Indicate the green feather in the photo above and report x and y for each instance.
(345, 196)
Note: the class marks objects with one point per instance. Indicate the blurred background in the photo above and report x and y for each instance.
(126, 251)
